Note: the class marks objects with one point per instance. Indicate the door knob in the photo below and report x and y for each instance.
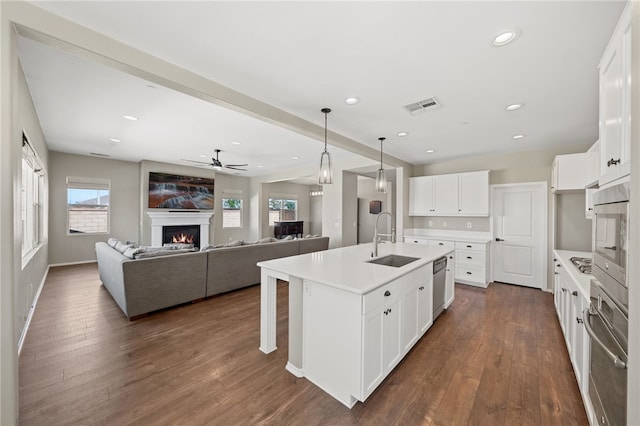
(499, 239)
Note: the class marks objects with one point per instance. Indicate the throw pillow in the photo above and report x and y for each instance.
(131, 252)
(265, 240)
(121, 247)
(235, 243)
(112, 242)
(177, 246)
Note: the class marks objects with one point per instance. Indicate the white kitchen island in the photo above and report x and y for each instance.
(350, 321)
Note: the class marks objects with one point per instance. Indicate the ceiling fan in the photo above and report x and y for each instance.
(217, 165)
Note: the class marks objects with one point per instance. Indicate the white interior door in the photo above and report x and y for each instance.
(520, 232)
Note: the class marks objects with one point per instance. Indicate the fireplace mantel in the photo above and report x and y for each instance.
(177, 218)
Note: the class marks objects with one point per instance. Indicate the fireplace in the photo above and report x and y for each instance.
(160, 219)
(185, 234)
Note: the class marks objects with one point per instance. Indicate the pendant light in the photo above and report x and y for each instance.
(325, 174)
(381, 177)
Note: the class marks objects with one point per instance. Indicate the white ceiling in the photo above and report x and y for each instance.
(302, 56)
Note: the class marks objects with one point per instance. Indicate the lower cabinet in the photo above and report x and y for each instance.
(570, 302)
(352, 342)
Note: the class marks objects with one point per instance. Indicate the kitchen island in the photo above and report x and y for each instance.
(351, 321)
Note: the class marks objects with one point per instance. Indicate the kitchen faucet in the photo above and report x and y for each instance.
(376, 235)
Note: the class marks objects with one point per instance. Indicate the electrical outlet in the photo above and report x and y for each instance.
(444, 224)
(469, 225)
(430, 223)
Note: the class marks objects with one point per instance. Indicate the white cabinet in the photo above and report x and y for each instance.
(474, 193)
(472, 264)
(458, 194)
(615, 102)
(569, 172)
(449, 289)
(421, 200)
(349, 349)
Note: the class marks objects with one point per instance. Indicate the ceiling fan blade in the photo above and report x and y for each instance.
(235, 168)
(194, 161)
(236, 165)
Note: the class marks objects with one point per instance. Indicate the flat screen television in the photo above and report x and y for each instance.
(167, 191)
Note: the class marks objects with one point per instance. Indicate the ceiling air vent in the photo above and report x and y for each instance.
(423, 105)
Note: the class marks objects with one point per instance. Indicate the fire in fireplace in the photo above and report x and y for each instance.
(186, 234)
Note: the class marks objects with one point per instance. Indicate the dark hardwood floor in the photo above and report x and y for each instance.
(495, 357)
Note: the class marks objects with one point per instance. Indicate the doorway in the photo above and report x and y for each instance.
(519, 214)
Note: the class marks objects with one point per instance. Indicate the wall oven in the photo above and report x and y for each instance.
(606, 320)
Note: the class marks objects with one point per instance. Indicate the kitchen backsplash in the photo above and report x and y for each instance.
(478, 224)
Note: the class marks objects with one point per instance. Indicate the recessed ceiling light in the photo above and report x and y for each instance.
(204, 156)
(505, 37)
(403, 134)
(351, 101)
(295, 158)
(519, 136)
(260, 167)
(114, 140)
(514, 107)
(130, 117)
(430, 151)
(235, 143)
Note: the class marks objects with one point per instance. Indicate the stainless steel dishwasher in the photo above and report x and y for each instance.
(439, 281)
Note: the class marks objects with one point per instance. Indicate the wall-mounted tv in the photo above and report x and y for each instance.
(167, 191)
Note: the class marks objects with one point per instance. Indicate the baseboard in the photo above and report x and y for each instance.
(72, 263)
(31, 311)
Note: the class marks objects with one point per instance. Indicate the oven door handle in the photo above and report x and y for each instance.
(587, 325)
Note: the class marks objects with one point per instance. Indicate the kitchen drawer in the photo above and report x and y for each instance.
(470, 273)
(377, 298)
(416, 240)
(470, 257)
(470, 246)
(441, 243)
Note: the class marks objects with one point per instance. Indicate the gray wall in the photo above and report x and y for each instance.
(315, 211)
(217, 234)
(29, 277)
(573, 229)
(277, 189)
(124, 199)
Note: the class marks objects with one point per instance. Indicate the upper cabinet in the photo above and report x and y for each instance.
(569, 172)
(615, 103)
(458, 194)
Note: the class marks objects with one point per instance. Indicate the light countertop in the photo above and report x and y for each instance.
(583, 280)
(346, 268)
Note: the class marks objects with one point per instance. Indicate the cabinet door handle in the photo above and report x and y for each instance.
(421, 288)
(557, 273)
(579, 320)
(387, 293)
(469, 273)
(574, 293)
(441, 244)
(499, 239)
(613, 162)
(386, 312)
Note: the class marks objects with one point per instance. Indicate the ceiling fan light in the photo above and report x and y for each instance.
(325, 174)
(381, 181)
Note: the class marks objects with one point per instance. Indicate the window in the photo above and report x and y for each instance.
(33, 200)
(280, 210)
(231, 213)
(87, 206)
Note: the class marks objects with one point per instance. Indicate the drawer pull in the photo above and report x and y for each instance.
(469, 257)
(387, 293)
(469, 273)
(440, 244)
(468, 246)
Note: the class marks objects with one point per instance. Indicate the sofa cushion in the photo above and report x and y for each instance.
(121, 247)
(159, 251)
(235, 243)
(178, 245)
(266, 240)
(112, 242)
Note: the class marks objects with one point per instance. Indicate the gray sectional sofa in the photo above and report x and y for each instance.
(144, 285)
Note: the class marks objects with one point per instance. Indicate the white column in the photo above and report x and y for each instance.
(268, 298)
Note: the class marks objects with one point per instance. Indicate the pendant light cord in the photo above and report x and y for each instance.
(381, 140)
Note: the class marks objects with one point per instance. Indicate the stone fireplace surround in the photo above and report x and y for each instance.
(179, 218)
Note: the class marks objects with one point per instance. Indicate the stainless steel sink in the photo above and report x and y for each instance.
(393, 260)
